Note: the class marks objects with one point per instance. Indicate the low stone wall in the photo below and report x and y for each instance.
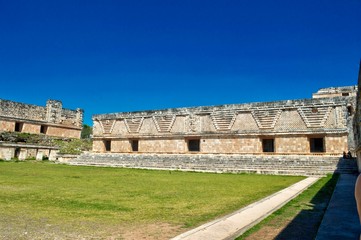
(9, 151)
(305, 165)
(64, 158)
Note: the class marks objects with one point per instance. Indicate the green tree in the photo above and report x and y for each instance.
(86, 132)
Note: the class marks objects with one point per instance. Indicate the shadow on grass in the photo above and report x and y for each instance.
(306, 224)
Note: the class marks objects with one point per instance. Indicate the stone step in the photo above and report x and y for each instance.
(282, 164)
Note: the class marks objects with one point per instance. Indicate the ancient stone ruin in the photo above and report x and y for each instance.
(297, 137)
(318, 125)
(357, 123)
(51, 120)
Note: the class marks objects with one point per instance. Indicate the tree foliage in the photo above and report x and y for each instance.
(86, 132)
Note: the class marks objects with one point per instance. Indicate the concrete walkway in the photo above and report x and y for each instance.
(341, 220)
(233, 225)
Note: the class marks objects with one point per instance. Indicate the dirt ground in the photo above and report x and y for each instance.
(24, 228)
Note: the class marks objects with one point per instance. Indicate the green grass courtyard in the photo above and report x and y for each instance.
(40, 200)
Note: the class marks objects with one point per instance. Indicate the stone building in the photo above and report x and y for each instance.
(357, 123)
(52, 120)
(336, 92)
(321, 125)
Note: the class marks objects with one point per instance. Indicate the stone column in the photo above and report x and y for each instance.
(39, 155)
(23, 154)
(53, 111)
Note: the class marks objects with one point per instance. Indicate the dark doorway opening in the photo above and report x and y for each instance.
(17, 153)
(18, 127)
(268, 145)
(107, 145)
(317, 145)
(135, 145)
(43, 129)
(194, 145)
(349, 110)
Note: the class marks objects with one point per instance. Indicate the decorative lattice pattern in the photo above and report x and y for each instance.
(107, 125)
(223, 120)
(315, 117)
(133, 124)
(164, 123)
(290, 120)
(266, 118)
(244, 122)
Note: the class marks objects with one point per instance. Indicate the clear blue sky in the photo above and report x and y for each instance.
(114, 56)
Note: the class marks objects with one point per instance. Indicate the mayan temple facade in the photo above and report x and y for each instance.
(52, 120)
(321, 125)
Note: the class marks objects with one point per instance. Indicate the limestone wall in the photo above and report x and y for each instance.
(357, 123)
(334, 143)
(30, 128)
(336, 92)
(231, 144)
(297, 144)
(51, 120)
(61, 131)
(293, 126)
(7, 126)
(292, 144)
(22, 111)
(9, 151)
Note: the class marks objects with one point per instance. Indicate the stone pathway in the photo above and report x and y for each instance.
(233, 225)
(341, 220)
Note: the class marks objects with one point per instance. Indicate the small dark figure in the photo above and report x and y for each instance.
(349, 155)
(344, 154)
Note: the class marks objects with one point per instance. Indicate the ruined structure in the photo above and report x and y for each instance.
(357, 123)
(336, 92)
(320, 125)
(52, 120)
(294, 137)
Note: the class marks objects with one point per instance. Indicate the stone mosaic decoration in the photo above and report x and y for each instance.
(133, 124)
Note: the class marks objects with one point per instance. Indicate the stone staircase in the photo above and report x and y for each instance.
(305, 165)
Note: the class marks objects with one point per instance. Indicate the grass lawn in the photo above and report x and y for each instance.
(43, 200)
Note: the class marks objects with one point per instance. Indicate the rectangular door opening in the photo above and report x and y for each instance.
(317, 145)
(268, 145)
(18, 127)
(135, 145)
(194, 145)
(107, 145)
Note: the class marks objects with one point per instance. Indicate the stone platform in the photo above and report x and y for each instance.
(304, 165)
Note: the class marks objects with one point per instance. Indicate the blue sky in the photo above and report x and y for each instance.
(115, 56)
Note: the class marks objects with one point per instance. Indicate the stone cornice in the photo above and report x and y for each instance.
(225, 134)
(239, 108)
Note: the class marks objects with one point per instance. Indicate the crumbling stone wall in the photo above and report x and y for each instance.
(20, 110)
(52, 120)
(336, 92)
(357, 123)
(293, 126)
(26, 151)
